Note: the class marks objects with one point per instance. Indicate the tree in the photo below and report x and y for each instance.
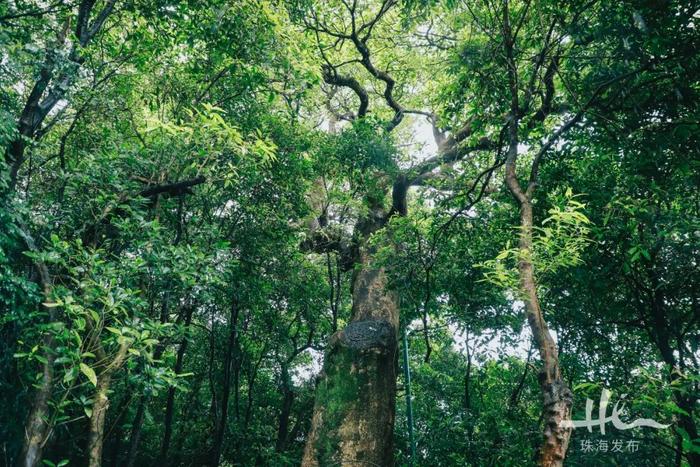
(218, 218)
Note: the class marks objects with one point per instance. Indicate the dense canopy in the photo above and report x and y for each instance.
(350, 232)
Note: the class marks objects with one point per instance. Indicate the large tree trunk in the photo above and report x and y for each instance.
(353, 417)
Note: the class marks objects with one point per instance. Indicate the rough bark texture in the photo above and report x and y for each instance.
(557, 398)
(353, 417)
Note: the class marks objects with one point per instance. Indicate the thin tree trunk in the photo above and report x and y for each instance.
(37, 429)
(556, 395)
(136, 426)
(557, 398)
(101, 404)
(661, 334)
(170, 405)
(51, 87)
(467, 378)
(252, 375)
(354, 409)
(218, 445)
(286, 411)
(515, 395)
(97, 421)
(118, 431)
(190, 413)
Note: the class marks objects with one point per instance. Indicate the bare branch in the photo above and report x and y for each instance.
(331, 76)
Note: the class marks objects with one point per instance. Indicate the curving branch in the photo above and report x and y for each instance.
(381, 75)
(331, 76)
(358, 36)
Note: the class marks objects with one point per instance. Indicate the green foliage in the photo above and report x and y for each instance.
(224, 293)
(557, 244)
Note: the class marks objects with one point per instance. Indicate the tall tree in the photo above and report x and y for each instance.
(204, 201)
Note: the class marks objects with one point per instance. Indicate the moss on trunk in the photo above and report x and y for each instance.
(353, 418)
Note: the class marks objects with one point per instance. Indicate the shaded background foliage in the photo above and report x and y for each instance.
(229, 310)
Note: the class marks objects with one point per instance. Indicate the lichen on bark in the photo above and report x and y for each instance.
(355, 398)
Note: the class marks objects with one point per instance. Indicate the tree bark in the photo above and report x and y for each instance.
(661, 333)
(50, 87)
(354, 409)
(41, 100)
(190, 415)
(557, 398)
(218, 445)
(118, 430)
(136, 426)
(101, 404)
(97, 421)
(170, 404)
(286, 410)
(37, 430)
(556, 395)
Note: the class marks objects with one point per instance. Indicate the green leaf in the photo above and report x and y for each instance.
(90, 373)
